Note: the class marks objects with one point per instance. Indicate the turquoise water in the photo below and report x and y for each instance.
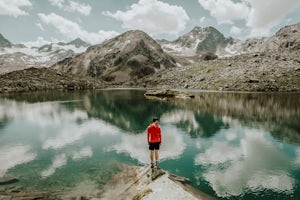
(230, 145)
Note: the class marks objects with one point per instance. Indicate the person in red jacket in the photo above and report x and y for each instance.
(154, 141)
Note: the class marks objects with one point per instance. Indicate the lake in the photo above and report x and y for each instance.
(230, 145)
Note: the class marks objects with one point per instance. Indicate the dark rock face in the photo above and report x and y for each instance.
(4, 42)
(128, 56)
(206, 40)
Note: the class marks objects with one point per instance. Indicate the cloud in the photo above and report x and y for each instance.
(202, 20)
(260, 16)
(72, 30)
(265, 15)
(235, 30)
(152, 16)
(225, 11)
(72, 6)
(12, 7)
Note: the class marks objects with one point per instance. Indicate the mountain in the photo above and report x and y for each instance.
(16, 57)
(77, 43)
(126, 57)
(197, 41)
(287, 38)
(4, 42)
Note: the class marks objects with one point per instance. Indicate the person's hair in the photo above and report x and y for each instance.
(155, 119)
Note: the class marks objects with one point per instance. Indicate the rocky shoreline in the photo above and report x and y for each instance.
(42, 79)
(132, 182)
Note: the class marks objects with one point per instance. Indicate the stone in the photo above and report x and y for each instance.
(8, 180)
(168, 94)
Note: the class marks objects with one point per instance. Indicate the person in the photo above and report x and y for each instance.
(154, 141)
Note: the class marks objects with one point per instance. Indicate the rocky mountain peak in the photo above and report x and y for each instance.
(4, 42)
(129, 56)
(198, 41)
(78, 43)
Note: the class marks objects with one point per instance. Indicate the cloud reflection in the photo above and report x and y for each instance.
(137, 147)
(58, 162)
(74, 133)
(10, 156)
(43, 114)
(254, 163)
(180, 116)
(82, 153)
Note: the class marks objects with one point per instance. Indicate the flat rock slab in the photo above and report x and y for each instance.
(163, 94)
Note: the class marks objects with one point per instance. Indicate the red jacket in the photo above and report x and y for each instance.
(154, 133)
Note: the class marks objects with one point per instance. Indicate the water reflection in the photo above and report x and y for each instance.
(136, 145)
(58, 162)
(232, 144)
(11, 156)
(253, 162)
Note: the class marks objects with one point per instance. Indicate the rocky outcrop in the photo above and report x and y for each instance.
(166, 94)
(4, 42)
(129, 56)
(136, 183)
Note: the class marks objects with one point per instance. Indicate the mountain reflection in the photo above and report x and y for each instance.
(231, 143)
(200, 117)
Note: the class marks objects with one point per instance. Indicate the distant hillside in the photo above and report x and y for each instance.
(126, 57)
(18, 56)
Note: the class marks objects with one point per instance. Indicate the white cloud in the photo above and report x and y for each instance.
(72, 30)
(235, 30)
(40, 41)
(40, 26)
(152, 16)
(12, 7)
(226, 11)
(202, 19)
(264, 15)
(259, 16)
(72, 6)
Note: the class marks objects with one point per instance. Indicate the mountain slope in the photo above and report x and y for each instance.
(16, 57)
(197, 41)
(128, 56)
(4, 42)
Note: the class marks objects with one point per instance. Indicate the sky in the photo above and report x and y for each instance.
(43, 21)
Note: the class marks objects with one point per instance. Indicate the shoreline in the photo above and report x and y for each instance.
(131, 182)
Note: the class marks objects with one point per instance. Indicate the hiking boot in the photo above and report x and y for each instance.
(152, 165)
